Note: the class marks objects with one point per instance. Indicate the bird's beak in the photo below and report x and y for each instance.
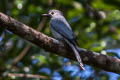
(46, 15)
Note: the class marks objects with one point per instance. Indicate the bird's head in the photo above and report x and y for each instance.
(53, 13)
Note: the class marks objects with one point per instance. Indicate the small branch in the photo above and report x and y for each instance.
(21, 55)
(41, 25)
(92, 12)
(27, 75)
(98, 60)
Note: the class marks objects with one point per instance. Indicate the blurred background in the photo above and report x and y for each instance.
(96, 24)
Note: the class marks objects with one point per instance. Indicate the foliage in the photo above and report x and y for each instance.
(92, 33)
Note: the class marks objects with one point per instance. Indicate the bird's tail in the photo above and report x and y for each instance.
(76, 54)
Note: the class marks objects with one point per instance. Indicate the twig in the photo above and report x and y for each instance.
(27, 75)
(92, 12)
(21, 55)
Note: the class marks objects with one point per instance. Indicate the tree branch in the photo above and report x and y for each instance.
(27, 75)
(98, 60)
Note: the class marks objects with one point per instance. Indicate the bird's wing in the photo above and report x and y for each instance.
(63, 28)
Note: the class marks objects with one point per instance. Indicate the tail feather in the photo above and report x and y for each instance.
(76, 54)
(78, 57)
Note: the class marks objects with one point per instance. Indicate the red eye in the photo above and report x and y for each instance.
(52, 13)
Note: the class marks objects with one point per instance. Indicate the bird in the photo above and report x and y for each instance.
(61, 30)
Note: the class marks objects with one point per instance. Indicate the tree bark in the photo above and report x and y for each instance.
(95, 59)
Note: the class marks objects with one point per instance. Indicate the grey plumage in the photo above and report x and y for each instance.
(62, 30)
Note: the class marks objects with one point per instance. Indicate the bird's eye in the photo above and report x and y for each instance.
(52, 13)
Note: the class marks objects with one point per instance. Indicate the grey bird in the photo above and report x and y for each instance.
(61, 30)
